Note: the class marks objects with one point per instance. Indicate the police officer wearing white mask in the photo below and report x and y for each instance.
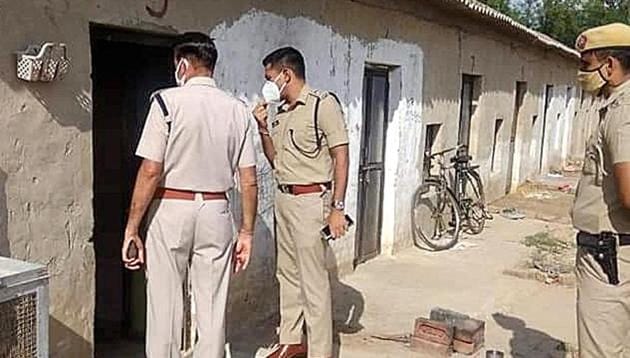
(196, 137)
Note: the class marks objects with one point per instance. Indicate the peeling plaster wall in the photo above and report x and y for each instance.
(46, 144)
(334, 62)
(500, 65)
(337, 63)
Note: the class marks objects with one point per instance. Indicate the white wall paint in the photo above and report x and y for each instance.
(336, 63)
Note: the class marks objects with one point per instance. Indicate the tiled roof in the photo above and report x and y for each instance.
(479, 9)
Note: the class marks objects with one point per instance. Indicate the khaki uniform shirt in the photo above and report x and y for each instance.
(597, 207)
(300, 159)
(205, 137)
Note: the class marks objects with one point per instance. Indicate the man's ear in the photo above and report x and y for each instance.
(611, 65)
(288, 75)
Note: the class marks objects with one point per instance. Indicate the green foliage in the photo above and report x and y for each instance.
(564, 19)
(501, 5)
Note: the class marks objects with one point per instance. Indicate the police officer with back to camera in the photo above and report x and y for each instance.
(195, 139)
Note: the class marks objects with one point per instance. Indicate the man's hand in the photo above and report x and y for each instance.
(243, 251)
(260, 113)
(133, 261)
(337, 222)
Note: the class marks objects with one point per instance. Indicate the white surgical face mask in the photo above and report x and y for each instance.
(181, 80)
(271, 92)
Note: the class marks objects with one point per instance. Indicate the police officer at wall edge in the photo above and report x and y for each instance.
(305, 139)
(601, 210)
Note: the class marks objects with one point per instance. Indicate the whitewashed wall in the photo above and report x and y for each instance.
(336, 63)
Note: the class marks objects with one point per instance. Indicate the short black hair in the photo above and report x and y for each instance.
(622, 54)
(287, 57)
(198, 46)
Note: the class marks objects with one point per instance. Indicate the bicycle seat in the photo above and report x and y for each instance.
(461, 159)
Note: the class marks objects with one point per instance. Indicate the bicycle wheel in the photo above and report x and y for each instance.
(474, 203)
(477, 179)
(435, 216)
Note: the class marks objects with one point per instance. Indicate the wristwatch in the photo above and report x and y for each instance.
(339, 205)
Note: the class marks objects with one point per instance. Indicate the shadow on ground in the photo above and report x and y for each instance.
(348, 308)
(528, 342)
(65, 342)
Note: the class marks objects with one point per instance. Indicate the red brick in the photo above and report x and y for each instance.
(430, 349)
(469, 336)
(433, 331)
(469, 333)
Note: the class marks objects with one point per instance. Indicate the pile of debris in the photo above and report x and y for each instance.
(551, 258)
(551, 255)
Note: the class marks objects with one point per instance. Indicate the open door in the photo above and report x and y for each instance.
(127, 66)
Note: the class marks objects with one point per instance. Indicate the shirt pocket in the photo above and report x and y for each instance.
(306, 140)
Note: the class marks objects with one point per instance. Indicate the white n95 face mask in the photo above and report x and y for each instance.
(271, 92)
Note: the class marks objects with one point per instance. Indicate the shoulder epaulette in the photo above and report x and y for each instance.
(157, 97)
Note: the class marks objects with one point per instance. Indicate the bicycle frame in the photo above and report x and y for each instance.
(461, 175)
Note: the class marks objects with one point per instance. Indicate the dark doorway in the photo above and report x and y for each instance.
(371, 168)
(519, 98)
(127, 66)
(545, 114)
(468, 103)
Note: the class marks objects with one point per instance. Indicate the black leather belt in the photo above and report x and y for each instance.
(622, 239)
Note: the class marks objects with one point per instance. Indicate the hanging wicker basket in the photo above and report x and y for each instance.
(45, 63)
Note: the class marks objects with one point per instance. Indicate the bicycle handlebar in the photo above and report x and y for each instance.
(436, 154)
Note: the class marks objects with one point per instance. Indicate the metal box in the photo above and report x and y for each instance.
(23, 309)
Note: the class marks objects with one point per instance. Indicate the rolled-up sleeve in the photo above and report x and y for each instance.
(332, 122)
(619, 136)
(154, 137)
(247, 154)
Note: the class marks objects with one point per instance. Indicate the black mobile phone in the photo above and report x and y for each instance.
(325, 232)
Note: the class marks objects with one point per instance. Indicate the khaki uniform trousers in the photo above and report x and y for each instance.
(181, 233)
(603, 310)
(305, 296)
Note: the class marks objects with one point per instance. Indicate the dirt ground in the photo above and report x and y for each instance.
(525, 316)
(548, 198)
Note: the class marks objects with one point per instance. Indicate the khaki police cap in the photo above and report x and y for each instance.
(607, 36)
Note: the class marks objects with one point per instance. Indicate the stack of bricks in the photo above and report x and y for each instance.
(446, 332)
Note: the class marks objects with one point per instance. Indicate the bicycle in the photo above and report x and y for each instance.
(469, 191)
(440, 210)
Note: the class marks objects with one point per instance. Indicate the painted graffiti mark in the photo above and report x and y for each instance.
(160, 12)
